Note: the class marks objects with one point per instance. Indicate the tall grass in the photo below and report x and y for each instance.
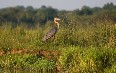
(71, 60)
(99, 35)
(83, 48)
(88, 60)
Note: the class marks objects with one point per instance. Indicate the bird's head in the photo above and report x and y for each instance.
(56, 18)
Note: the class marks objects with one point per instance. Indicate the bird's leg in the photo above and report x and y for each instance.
(53, 38)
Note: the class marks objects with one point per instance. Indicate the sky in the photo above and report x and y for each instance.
(58, 4)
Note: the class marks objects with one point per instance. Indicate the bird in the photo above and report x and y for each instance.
(51, 33)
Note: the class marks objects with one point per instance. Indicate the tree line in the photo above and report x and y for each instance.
(21, 14)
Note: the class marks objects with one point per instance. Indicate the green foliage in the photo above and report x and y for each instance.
(20, 14)
(25, 62)
(89, 48)
(88, 60)
(28, 15)
(85, 43)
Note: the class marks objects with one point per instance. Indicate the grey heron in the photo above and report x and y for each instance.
(51, 33)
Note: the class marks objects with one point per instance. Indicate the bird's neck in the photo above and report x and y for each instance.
(57, 24)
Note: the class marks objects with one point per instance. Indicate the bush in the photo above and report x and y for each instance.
(88, 60)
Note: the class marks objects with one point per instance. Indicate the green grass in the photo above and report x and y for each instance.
(88, 60)
(71, 59)
(83, 49)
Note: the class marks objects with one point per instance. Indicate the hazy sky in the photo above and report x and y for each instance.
(59, 4)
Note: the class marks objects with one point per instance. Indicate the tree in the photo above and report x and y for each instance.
(84, 11)
(44, 14)
(108, 6)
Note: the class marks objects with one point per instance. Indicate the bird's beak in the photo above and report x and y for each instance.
(58, 19)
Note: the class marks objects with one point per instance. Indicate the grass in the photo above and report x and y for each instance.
(81, 49)
(71, 59)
